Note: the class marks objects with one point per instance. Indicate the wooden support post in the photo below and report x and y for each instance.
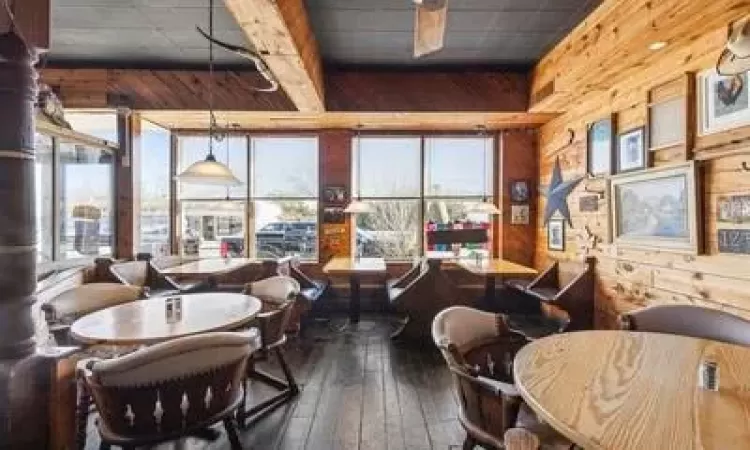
(129, 130)
(24, 375)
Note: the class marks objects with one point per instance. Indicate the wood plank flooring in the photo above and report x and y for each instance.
(360, 391)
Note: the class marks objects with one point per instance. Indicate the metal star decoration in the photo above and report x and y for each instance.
(557, 195)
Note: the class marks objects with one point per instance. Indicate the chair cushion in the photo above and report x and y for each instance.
(544, 293)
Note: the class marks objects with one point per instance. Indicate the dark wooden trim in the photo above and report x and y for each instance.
(128, 131)
(173, 206)
(497, 189)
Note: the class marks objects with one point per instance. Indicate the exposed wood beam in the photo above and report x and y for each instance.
(198, 120)
(612, 44)
(280, 31)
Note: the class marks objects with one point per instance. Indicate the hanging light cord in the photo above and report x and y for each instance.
(212, 123)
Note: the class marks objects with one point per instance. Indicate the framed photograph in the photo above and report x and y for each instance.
(519, 214)
(334, 195)
(556, 235)
(667, 123)
(600, 145)
(658, 209)
(334, 214)
(631, 150)
(519, 191)
(724, 102)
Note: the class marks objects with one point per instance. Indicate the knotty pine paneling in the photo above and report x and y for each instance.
(629, 278)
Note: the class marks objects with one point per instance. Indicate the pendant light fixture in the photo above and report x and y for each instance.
(357, 206)
(485, 206)
(210, 171)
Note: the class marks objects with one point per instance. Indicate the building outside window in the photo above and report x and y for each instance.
(151, 183)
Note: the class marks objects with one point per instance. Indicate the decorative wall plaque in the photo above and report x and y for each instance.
(589, 203)
(519, 214)
(734, 209)
(734, 241)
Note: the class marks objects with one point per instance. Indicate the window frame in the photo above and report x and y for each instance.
(249, 198)
(57, 138)
(492, 172)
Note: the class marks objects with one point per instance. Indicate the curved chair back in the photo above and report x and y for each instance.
(170, 388)
(62, 310)
(133, 273)
(479, 349)
(689, 320)
(277, 295)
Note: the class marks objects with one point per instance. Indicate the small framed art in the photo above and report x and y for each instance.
(631, 150)
(600, 144)
(556, 235)
(519, 191)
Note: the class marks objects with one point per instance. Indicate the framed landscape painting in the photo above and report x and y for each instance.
(658, 209)
(724, 102)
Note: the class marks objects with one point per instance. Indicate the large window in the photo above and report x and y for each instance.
(417, 183)
(213, 218)
(86, 206)
(74, 191)
(458, 174)
(272, 214)
(151, 182)
(387, 175)
(285, 193)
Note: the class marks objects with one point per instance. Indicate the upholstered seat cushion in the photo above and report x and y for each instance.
(544, 293)
(87, 298)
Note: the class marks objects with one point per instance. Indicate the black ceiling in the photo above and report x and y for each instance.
(350, 32)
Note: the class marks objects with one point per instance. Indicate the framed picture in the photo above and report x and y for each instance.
(658, 209)
(631, 150)
(667, 123)
(519, 191)
(519, 214)
(334, 214)
(724, 102)
(556, 235)
(334, 195)
(600, 144)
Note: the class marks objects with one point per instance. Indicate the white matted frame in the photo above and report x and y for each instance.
(723, 102)
(653, 184)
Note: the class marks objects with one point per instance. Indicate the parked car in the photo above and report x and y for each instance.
(277, 239)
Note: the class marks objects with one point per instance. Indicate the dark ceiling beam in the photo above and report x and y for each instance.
(280, 31)
(348, 91)
(31, 18)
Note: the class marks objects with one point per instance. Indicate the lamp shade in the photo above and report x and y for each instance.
(485, 207)
(357, 207)
(209, 171)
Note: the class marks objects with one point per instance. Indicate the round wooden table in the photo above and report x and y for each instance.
(618, 390)
(145, 322)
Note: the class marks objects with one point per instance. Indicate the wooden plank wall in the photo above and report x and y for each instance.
(518, 162)
(628, 278)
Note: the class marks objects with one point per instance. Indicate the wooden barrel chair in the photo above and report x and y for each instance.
(689, 320)
(479, 349)
(277, 295)
(170, 390)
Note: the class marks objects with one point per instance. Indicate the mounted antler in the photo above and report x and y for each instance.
(260, 65)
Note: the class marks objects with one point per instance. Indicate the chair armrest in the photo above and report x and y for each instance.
(405, 279)
(497, 387)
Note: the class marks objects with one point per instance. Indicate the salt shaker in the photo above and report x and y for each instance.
(708, 375)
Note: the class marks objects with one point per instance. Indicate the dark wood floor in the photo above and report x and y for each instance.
(360, 392)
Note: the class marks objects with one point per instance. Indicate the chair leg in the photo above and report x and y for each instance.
(82, 413)
(243, 403)
(469, 443)
(234, 440)
(291, 382)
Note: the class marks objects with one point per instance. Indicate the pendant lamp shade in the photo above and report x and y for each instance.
(357, 207)
(209, 171)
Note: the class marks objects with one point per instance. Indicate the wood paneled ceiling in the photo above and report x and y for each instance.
(158, 33)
